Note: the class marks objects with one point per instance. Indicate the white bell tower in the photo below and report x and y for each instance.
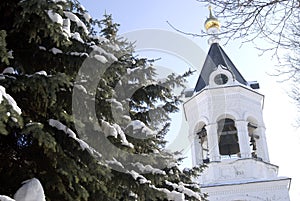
(227, 132)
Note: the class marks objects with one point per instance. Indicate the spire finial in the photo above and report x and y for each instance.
(212, 21)
(210, 11)
(212, 26)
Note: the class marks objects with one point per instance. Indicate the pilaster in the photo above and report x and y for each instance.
(262, 148)
(242, 130)
(212, 139)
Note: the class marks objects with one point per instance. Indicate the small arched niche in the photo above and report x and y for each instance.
(228, 138)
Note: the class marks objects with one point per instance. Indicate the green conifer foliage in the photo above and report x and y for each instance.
(43, 45)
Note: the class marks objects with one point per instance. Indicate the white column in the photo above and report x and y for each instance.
(242, 130)
(197, 158)
(262, 148)
(213, 142)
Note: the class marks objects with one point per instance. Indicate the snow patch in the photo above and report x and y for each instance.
(132, 194)
(80, 54)
(181, 188)
(172, 164)
(148, 168)
(131, 70)
(115, 162)
(101, 51)
(57, 1)
(32, 189)
(108, 129)
(99, 38)
(42, 48)
(60, 7)
(75, 19)
(114, 47)
(77, 37)
(123, 136)
(41, 73)
(111, 56)
(14, 119)
(9, 70)
(115, 131)
(87, 17)
(81, 88)
(138, 125)
(55, 50)
(171, 195)
(155, 151)
(84, 146)
(98, 49)
(82, 7)
(115, 104)
(140, 178)
(126, 118)
(101, 58)
(5, 198)
(9, 99)
(10, 54)
(67, 27)
(175, 196)
(55, 17)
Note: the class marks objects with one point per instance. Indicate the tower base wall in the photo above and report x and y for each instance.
(272, 190)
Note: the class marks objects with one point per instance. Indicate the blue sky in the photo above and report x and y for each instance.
(189, 16)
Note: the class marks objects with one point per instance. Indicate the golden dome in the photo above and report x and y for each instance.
(212, 21)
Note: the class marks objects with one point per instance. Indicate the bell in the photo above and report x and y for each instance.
(228, 144)
(202, 133)
(253, 143)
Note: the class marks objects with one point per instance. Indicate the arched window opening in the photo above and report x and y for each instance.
(253, 138)
(228, 138)
(202, 134)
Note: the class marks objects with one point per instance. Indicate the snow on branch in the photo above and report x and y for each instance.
(31, 189)
(5, 198)
(55, 17)
(100, 51)
(84, 146)
(9, 99)
(171, 195)
(101, 58)
(75, 19)
(55, 50)
(57, 1)
(148, 168)
(115, 162)
(140, 178)
(115, 131)
(181, 188)
(116, 104)
(138, 125)
(77, 37)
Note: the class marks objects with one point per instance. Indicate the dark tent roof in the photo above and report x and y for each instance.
(215, 57)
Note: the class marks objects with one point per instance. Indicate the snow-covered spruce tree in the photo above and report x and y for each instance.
(43, 46)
